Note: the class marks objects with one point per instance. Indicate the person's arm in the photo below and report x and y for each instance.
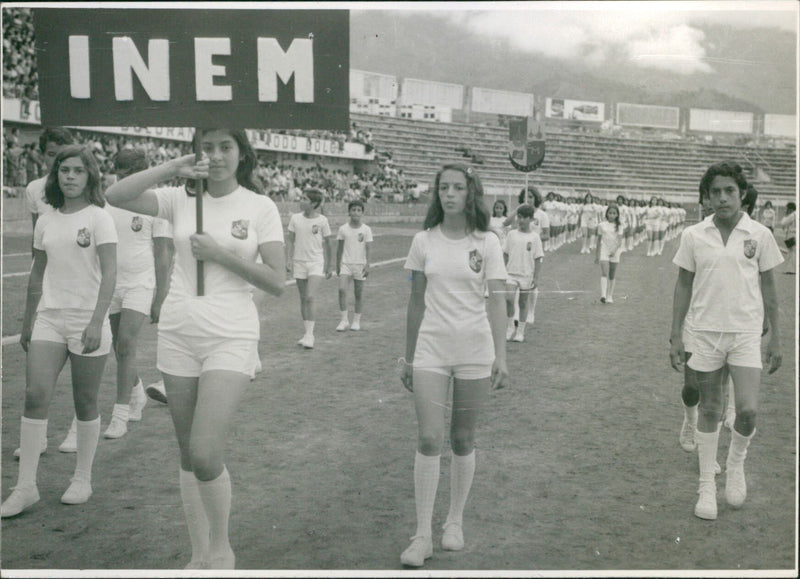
(107, 254)
(496, 311)
(366, 265)
(163, 250)
(34, 295)
(537, 271)
(414, 315)
(510, 219)
(681, 300)
(269, 276)
(599, 243)
(339, 252)
(134, 192)
(773, 351)
(290, 252)
(327, 246)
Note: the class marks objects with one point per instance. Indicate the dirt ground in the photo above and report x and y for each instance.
(578, 462)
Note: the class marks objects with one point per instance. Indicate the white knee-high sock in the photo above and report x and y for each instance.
(31, 431)
(308, 325)
(611, 283)
(603, 286)
(462, 471)
(216, 496)
(731, 397)
(690, 412)
(532, 304)
(737, 451)
(88, 435)
(707, 454)
(195, 514)
(426, 481)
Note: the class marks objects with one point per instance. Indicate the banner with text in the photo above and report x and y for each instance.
(574, 110)
(207, 67)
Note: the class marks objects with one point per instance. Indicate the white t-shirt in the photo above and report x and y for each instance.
(790, 224)
(610, 238)
(135, 262)
(496, 225)
(768, 217)
(523, 250)
(540, 221)
(72, 275)
(726, 293)
(589, 215)
(34, 197)
(455, 328)
(355, 243)
(240, 222)
(309, 237)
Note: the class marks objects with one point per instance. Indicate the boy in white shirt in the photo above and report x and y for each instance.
(523, 255)
(308, 250)
(352, 262)
(51, 141)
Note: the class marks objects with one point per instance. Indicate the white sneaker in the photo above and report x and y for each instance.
(137, 403)
(78, 492)
(609, 300)
(20, 499)
(42, 447)
(717, 468)
(222, 561)
(70, 443)
(706, 507)
(343, 326)
(117, 428)
(530, 318)
(307, 342)
(510, 330)
(421, 548)
(518, 336)
(686, 438)
(157, 392)
(355, 327)
(453, 537)
(735, 486)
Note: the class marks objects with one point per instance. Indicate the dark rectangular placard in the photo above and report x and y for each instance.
(278, 69)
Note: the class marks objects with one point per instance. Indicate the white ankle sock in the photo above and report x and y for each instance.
(462, 471)
(343, 314)
(309, 326)
(216, 496)
(357, 318)
(31, 431)
(121, 411)
(88, 435)
(737, 451)
(195, 514)
(426, 481)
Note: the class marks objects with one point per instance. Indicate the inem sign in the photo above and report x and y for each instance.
(281, 69)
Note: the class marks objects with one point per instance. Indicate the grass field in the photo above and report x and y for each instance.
(579, 466)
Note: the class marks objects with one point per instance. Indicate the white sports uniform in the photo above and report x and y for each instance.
(455, 336)
(540, 222)
(72, 276)
(589, 215)
(354, 252)
(34, 197)
(496, 225)
(309, 237)
(219, 330)
(611, 246)
(136, 276)
(523, 249)
(726, 306)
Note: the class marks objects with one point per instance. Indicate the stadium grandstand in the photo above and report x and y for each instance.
(404, 129)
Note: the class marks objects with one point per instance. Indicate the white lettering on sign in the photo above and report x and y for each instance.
(205, 70)
(154, 76)
(273, 62)
(79, 67)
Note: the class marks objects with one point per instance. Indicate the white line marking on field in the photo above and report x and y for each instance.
(10, 339)
(5, 275)
(17, 254)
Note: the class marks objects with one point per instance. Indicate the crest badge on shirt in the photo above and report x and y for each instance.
(84, 238)
(137, 223)
(360, 237)
(475, 261)
(239, 228)
(314, 229)
(529, 246)
(750, 246)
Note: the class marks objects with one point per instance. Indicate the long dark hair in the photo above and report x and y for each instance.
(247, 163)
(475, 211)
(52, 191)
(616, 222)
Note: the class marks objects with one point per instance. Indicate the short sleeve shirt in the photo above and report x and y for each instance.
(70, 240)
(726, 292)
(355, 243)
(523, 250)
(240, 222)
(610, 238)
(540, 222)
(309, 236)
(135, 262)
(455, 328)
(34, 197)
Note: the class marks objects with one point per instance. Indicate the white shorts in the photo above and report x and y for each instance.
(305, 269)
(354, 270)
(712, 350)
(66, 326)
(688, 338)
(137, 298)
(460, 371)
(590, 225)
(523, 282)
(612, 257)
(650, 225)
(190, 356)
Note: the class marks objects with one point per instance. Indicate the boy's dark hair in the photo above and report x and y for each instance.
(57, 135)
(730, 169)
(525, 210)
(355, 203)
(129, 161)
(315, 196)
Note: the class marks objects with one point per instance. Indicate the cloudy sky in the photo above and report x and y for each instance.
(662, 35)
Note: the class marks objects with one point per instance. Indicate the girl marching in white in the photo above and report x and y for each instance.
(523, 255)
(308, 251)
(451, 333)
(207, 344)
(69, 290)
(352, 262)
(609, 249)
(725, 283)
